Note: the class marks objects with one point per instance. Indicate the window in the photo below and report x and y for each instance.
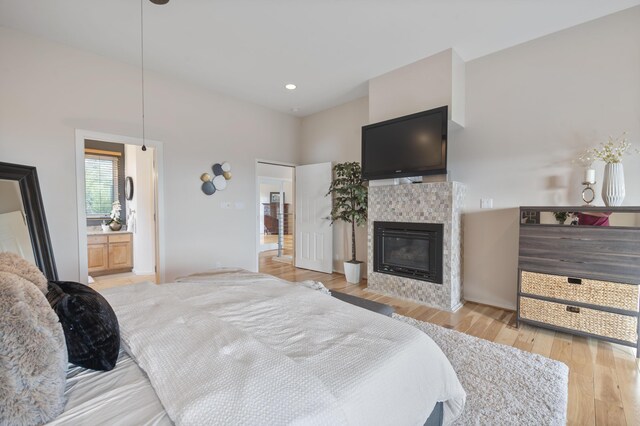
(101, 184)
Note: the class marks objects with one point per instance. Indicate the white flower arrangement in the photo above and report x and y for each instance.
(613, 150)
(115, 212)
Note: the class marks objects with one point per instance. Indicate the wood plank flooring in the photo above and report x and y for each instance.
(117, 280)
(604, 380)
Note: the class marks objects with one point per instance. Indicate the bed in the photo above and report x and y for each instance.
(235, 347)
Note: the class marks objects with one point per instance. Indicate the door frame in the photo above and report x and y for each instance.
(257, 206)
(158, 179)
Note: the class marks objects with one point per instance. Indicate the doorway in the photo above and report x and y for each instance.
(276, 212)
(118, 210)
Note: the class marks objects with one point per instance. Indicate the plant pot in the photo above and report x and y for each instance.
(115, 226)
(613, 186)
(352, 272)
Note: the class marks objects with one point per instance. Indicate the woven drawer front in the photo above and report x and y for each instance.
(600, 323)
(601, 293)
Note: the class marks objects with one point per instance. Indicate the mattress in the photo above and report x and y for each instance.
(379, 370)
(122, 396)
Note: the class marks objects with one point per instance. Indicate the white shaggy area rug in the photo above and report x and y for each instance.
(504, 385)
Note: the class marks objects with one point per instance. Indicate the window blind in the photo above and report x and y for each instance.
(101, 184)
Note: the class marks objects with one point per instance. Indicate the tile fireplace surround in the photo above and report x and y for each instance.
(439, 202)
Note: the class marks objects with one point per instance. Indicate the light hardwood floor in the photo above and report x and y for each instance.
(117, 280)
(288, 247)
(604, 381)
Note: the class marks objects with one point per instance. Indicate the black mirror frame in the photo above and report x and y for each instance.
(27, 178)
(128, 188)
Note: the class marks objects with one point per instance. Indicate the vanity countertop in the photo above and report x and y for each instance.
(108, 233)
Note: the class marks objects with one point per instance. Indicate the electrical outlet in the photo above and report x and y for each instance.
(486, 203)
(225, 205)
(240, 205)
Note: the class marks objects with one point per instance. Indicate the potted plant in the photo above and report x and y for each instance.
(561, 217)
(115, 223)
(350, 196)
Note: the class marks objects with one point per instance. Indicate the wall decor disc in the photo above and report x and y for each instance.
(205, 177)
(227, 175)
(217, 169)
(226, 167)
(220, 183)
(208, 188)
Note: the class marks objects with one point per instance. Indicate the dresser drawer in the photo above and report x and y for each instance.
(120, 238)
(591, 321)
(97, 239)
(601, 293)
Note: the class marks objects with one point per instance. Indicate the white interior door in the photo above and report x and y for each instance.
(14, 235)
(314, 236)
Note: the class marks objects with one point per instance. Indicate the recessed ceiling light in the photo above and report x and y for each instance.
(295, 109)
(290, 86)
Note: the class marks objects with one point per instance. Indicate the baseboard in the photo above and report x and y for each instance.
(506, 308)
(135, 271)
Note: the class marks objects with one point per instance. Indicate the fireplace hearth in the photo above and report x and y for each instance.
(412, 250)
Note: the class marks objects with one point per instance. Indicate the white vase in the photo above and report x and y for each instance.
(352, 272)
(613, 184)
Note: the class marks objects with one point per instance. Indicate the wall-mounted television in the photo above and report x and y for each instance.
(413, 145)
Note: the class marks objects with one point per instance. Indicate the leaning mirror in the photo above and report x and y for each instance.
(23, 225)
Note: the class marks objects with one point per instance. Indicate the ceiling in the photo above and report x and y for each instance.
(250, 49)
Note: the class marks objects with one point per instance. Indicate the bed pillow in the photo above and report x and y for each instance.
(14, 264)
(89, 323)
(33, 356)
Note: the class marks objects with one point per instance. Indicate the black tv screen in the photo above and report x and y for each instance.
(414, 145)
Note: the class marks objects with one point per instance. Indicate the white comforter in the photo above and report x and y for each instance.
(239, 348)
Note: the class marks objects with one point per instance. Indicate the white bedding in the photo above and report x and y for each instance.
(243, 348)
(122, 396)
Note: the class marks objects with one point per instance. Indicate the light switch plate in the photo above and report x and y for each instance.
(486, 203)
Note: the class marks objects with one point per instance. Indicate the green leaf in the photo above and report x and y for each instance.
(350, 194)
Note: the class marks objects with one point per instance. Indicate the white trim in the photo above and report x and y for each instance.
(81, 135)
(143, 272)
(273, 178)
(276, 163)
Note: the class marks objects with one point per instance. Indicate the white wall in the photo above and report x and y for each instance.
(139, 165)
(274, 185)
(529, 110)
(425, 84)
(48, 90)
(10, 197)
(335, 135)
(275, 171)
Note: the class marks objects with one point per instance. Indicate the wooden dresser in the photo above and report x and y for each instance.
(581, 279)
(110, 253)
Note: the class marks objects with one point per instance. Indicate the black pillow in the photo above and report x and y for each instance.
(89, 323)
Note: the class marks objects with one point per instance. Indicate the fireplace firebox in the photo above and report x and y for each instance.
(412, 250)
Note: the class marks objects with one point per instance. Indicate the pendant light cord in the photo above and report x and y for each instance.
(144, 147)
